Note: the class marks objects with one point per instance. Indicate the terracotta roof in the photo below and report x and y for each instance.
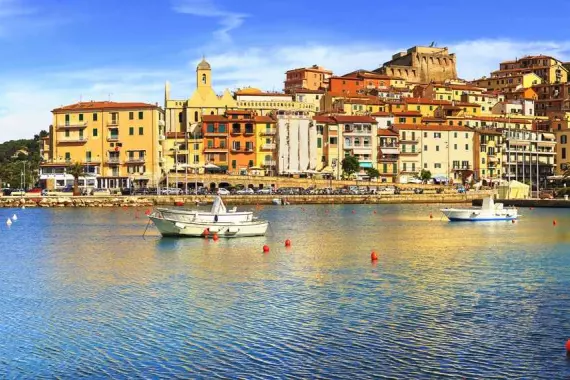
(354, 119)
(246, 92)
(264, 119)
(239, 112)
(381, 114)
(214, 118)
(432, 127)
(324, 119)
(372, 102)
(306, 91)
(458, 87)
(438, 102)
(488, 132)
(89, 106)
(387, 132)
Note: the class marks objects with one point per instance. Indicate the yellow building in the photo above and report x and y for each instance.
(266, 144)
(265, 103)
(429, 107)
(549, 69)
(357, 106)
(508, 82)
(118, 143)
(446, 91)
(486, 100)
(488, 153)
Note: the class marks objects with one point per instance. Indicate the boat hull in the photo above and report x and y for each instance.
(470, 215)
(173, 228)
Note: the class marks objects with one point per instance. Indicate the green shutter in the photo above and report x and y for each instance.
(140, 115)
(131, 131)
(95, 132)
(141, 131)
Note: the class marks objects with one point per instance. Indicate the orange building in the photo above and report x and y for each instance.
(361, 81)
(242, 140)
(309, 78)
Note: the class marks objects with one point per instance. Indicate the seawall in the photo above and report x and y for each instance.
(165, 200)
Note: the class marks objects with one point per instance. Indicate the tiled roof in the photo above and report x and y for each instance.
(407, 113)
(381, 114)
(90, 106)
(324, 119)
(438, 102)
(264, 119)
(214, 118)
(354, 119)
(387, 132)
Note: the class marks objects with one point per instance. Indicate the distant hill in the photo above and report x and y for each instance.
(15, 155)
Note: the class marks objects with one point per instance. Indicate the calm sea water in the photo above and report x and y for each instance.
(82, 294)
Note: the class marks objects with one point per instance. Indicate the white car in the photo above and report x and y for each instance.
(245, 191)
(222, 191)
(265, 190)
(415, 180)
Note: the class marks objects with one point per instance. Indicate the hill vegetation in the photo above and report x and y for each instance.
(19, 158)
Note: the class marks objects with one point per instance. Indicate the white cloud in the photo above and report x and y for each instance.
(207, 8)
(26, 104)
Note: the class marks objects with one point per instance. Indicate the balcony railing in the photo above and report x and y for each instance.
(236, 131)
(269, 163)
(358, 131)
(136, 160)
(216, 132)
(72, 125)
(249, 149)
(462, 167)
(113, 138)
(409, 141)
(387, 158)
(269, 132)
(403, 152)
(268, 146)
(236, 148)
(114, 160)
(216, 149)
(73, 140)
(113, 122)
(249, 131)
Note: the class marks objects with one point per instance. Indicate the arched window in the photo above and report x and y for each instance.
(195, 115)
(203, 78)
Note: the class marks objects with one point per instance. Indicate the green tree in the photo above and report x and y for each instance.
(425, 175)
(372, 173)
(76, 170)
(350, 165)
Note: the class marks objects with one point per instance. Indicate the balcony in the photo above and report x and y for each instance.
(236, 148)
(388, 158)
(409, 152)
(214, 149)
(409, 141)
(269, 163)
(357, 131)
(113, 138)
(113, 123)
(73, 140)
(462, 167)
(136, 160)
(249, 132)
(113, 161)
(268, 132)
(249, 149)
(91, 160)
(216, 132)
(409, 171)
(235, 131)
(78, 125)
(161, 123)
(268, 146)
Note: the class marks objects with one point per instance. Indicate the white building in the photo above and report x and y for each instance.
(296, 142)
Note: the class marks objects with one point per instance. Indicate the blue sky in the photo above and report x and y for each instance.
(56, 52)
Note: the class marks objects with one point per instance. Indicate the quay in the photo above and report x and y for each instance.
(546, 203)
(172, 200)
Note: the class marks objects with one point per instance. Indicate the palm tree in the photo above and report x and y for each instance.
(76, 170)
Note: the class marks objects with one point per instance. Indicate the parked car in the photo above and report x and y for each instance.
(265, 190)
(414, 180)
(245, 191)
(222, 191)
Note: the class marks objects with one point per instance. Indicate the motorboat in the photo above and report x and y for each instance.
(219, 221)
(489, 211)
(280, 202)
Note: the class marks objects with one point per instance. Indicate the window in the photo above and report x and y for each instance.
(437, 165)
(250, 163)
(195, 115)
(131, 115)
(431, 108)
(466, 146)
(425, 134)
(94, 116)
(131, 131)
(389, 123)
(180, 117)
(196, 158)
(455, 146)
(95, 132)
(563, 139)
(67, 119)
(455, 134)
(80, 117)
(67, 156)
(141, 114)
(437, 148)
(141, 131)
(222, 128)
(483, 160)
(234, 164)
(333, 140)
(88, 156)
(425, 165)
(466, 135)
(67, 133)
(319, 142)
(425, 148)
(402, 120)
(235, 145)
(204, 78)
(196, 146)
(384, 168)
(437, 135)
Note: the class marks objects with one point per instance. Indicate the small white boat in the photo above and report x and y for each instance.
(488, 212)
(279, 202)
(218, 221)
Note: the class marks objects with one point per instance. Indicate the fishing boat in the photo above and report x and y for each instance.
(219, 221)
(489, 211)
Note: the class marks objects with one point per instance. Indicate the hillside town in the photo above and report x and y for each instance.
(409, 117)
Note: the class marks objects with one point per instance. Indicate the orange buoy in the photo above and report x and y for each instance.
(567, 346)
(147, 212)
(554, 222)
(513, 221)
(373, 256)
(215, 237)
(206, 232)
(179, 203)
(287, 243)
(265, 248)
(430, 216)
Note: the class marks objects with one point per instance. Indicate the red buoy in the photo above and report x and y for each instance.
(373, 256)
(554, 222)
(147, 212)
(430, 216)
(374, 211)
(215, 237)
(265, 248)
(513, 221)
(567, 346)
(206, 232)
(287, 243)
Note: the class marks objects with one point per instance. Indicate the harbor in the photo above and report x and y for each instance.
(85, 295)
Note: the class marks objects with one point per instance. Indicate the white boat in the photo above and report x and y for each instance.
(279, 202)
(489, 211)
(218, 221)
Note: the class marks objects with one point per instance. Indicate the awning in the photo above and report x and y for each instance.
(548, 136)
(366, 164)
(390, 150)
(362, 151)
(327, 169)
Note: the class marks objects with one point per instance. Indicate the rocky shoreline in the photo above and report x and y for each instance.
(149, 201)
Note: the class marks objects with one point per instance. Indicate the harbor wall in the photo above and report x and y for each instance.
(167, 200)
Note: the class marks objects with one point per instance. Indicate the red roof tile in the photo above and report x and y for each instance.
(387, 132)
(324, 119)
(379, 114)
(264, 119)
(90, 106)
(354, 119)
(214, 118)
(407, 113)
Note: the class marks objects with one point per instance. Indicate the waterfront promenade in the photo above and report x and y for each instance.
(171, 200)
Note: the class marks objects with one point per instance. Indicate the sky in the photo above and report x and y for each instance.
(57, 52)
